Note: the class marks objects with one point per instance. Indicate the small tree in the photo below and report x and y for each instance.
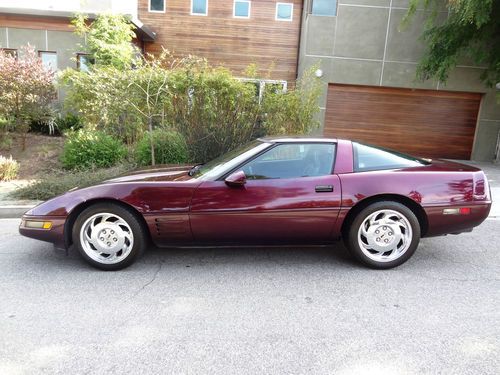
(26, 89)
(472, 29)
(108, 39)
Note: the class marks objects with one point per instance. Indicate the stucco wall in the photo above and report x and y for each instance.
(365, 44)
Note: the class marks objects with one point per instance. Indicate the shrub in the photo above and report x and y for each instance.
(58, 182)
(170, 148)
(8, 168)
(57, 125)
(209, 106)
(86, 149)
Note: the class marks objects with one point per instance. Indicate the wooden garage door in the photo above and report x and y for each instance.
(420, 122)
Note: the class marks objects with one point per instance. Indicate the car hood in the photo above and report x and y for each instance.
(158, 173)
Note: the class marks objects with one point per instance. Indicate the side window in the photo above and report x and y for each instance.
(292, 160)
(371, 158)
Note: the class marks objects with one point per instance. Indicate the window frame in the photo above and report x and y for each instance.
(281, 19)
(324, 15)
(199, 14)
(157, 11)
(11, 51)
(41, 52)
(249, 8)
(277, 144)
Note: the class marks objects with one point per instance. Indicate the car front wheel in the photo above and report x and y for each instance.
(108, 236)
(384, 235)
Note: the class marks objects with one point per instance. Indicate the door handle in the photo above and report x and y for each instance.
(323, 188)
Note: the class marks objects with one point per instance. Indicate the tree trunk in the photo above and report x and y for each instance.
(150, 125)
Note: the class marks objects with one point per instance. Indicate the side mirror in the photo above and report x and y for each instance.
(236, 179)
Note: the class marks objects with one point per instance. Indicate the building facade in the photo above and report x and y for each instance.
(367, 63)
(234, 33)
(47, 28)
(364, 58)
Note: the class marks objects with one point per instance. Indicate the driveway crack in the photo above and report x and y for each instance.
(152, 280)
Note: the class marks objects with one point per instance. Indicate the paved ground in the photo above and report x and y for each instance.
(252, 311)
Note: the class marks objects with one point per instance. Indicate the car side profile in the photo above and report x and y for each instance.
(271, 191)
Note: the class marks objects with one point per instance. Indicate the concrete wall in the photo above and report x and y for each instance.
(364, 44)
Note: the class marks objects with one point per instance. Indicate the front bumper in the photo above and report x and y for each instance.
(53, 235)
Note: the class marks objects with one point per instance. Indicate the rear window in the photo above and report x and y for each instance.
(372, 158)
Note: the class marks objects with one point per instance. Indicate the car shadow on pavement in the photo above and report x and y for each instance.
(335, 255)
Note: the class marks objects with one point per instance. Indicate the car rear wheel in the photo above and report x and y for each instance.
(108, 236)
(384, 235)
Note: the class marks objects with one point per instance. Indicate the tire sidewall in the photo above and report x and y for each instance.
(131, 219)
(352, 240)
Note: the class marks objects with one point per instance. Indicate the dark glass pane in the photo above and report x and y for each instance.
(370, 158)
(241, 9)
(324, 7)
(157, 5)
(292, 161)
(10, 52)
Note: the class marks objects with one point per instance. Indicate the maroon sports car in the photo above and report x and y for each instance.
(273, 190)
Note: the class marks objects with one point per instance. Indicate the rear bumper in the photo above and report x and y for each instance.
(53, 235)
(439, 223)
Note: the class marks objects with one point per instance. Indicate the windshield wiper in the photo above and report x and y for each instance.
(195, 169)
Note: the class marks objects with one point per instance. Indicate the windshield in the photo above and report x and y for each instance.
(229, 160)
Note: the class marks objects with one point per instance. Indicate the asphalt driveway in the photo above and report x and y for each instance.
(252, 311)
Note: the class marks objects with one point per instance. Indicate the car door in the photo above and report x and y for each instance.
(290, 194)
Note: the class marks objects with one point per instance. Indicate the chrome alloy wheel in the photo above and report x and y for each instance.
(385, 235)
(106, 238)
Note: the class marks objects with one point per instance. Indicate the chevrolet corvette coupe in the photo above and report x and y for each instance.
(271, 191)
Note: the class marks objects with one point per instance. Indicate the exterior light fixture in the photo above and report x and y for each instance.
(318, 73)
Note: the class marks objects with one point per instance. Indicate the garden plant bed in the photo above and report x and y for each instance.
(40, 156)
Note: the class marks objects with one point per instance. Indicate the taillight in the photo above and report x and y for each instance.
(481, 190)
(457, 211)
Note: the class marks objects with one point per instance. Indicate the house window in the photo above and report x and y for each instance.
(49, 59)
(241, 9)
(199, 7)
(157, 6)
(10, 52)
(324, 7)
(83, 61)
(284, 11)
(263, 86)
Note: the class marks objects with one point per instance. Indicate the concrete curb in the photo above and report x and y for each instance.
(14, 209)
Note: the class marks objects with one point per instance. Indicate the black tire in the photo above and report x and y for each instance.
(351, 238)
(139, 235)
